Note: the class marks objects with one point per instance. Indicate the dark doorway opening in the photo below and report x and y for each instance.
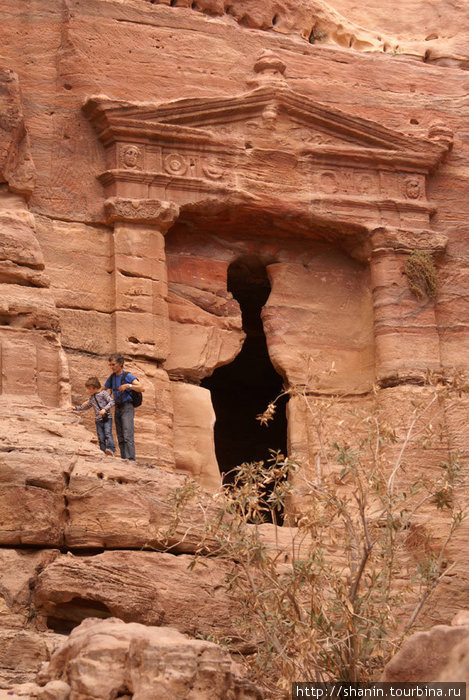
(244, 388)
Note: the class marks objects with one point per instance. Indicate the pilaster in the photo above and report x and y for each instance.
(141, 325)
(406, 336)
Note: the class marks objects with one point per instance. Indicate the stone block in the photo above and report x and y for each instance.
(27, 307)
(197, 350)
(307, 342)
(135, 266)
(114, 504)
(30, 515)
(151, 588)
(78, 260)
(194, 445)
(139, 241)
(143, 334)
(18, 241)
(32, 364)
(88, 331)
(424, 656)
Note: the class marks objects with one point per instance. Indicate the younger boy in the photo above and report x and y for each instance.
(101, 402)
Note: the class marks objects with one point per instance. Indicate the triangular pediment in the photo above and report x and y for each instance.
(269, 145)
(265, 117)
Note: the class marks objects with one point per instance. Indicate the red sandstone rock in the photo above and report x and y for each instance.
(54, 690)
(194, 446)
(22, 652)
(322, 159)
(456, 669)
(16, 166)
(461, 618)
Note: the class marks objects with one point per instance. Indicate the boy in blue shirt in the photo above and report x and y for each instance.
(101, 402)
(122, 383)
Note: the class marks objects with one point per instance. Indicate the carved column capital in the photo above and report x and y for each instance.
(397, 240)
(162, 214)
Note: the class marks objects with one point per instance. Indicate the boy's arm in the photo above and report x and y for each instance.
(84, 406)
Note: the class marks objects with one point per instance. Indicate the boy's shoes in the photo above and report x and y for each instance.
(107, 451)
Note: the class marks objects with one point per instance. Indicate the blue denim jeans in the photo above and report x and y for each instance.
(124, 417)
(104, 430)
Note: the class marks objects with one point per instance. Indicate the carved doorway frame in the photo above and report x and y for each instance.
(271, 151)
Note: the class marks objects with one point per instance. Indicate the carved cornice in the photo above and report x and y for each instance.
(161, 180)
(159, 214)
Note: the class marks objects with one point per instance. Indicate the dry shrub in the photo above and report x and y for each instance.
(333, 612)
(421, 274)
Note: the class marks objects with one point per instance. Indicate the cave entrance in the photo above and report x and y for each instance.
(244, 388)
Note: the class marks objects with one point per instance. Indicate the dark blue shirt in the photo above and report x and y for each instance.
(115, 380)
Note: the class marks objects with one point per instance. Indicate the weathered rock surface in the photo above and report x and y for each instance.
(32, 361)
(151, 588)
(369, 27)
(16, 165)
(430, 656)
(106, 659)
(58, 488)
(23, 652)
(194, 445)
(456, 669)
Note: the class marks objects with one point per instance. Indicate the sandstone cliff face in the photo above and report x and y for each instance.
(160, 162)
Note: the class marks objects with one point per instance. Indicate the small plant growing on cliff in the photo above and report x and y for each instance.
(317, 35)
(421, 274)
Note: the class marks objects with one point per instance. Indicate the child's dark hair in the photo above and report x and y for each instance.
(93, 381)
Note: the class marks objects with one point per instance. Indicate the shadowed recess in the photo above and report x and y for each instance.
(67, 616)
(243, 389)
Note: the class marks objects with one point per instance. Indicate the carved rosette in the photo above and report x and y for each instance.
(347, 182)
(161, 214)
(175, 164)
(212, 169)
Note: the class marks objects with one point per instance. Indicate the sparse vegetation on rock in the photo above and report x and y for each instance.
(363, 561)
(421, 274)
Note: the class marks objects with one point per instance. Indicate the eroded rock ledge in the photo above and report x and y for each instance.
(319, 22)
